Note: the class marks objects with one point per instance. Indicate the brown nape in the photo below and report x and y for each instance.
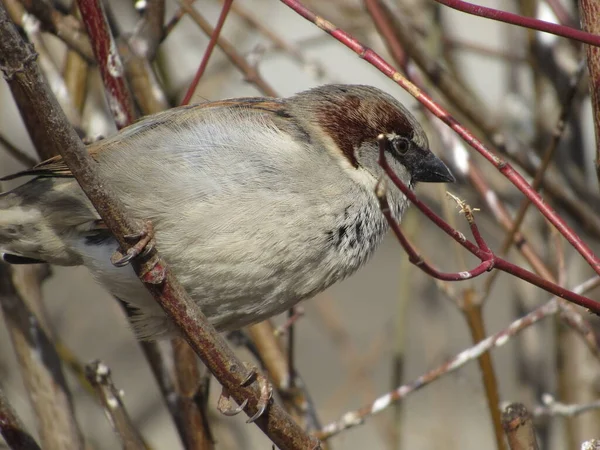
(352, 120)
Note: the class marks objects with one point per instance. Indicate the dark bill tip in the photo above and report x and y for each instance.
(431, 169)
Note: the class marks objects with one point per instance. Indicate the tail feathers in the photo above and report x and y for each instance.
(25, 236)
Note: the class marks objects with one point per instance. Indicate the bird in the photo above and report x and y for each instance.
(256, 203)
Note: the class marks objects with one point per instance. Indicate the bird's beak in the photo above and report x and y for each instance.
(431, 169)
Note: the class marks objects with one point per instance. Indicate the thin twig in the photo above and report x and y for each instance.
(551, 407)
(480, 249)
(149, 30)
(214, 37)
(109, 61)
(471, 307)
(548, 155)
(16, 153)
(192, 417)
(527, 22)
(251, 74)
(502, 166)
(356, 417)
(98, 374)
(64, 27)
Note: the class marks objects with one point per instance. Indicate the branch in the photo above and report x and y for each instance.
(518, 427)
(17, 61)
(39, 363)
(109, 61)
(12, 429)
(356, 417)
(98, 374)
(250, 73)
(551, 407)
(488, 259)
(590, 20)
(503, 167)
(527, 22)
(214, 37)
(64, 27)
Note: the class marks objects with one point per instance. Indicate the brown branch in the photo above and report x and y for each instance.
(145, 87)
(67, 28)
(310, 65)
(75, 73)
(471, 307)
(98, 374)
(192, 417)
(18, 64)
(149, 31)
(12, 429)
(276, 362)
(590, 20)
(39, 363)
(518, 427)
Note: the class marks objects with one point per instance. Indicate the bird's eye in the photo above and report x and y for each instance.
(401, 145)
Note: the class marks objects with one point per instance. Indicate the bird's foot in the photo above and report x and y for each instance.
(266, 394)
(144, 243)
(266, 391)
(225, 407)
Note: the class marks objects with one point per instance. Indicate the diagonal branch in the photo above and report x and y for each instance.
(527, 22)
(356, 417)
(479, 249)
(503, 167)
(17, 61)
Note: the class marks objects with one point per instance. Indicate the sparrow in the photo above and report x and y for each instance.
(256, 203)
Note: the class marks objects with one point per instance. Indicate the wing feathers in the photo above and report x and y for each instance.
(56, 167)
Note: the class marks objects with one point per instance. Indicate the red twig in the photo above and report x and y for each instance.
(505, 168)
(480, 249)
(111, 67)
(209, 49)
(527, 22)
(416, 259)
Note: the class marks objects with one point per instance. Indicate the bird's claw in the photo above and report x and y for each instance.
(224, 405)
(266, 392)
(143, 246)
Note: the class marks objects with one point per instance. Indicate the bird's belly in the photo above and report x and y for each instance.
(245, 278)
(231, 295)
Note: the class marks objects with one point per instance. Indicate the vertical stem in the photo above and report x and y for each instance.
(109, 61)
(590, 21)
(196, 432)
(471, 308)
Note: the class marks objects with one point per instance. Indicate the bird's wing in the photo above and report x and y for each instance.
(56, 166)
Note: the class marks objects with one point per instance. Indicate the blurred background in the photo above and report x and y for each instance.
(389, 323)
